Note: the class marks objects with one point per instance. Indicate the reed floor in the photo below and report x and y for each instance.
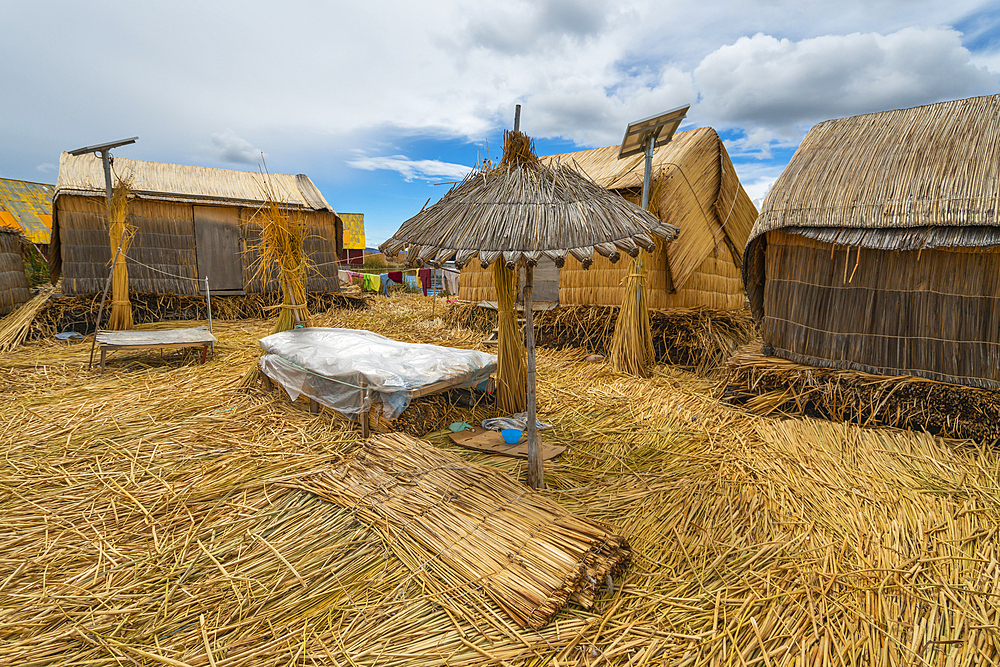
(149, 516)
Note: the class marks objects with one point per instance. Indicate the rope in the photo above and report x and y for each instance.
(166, 273)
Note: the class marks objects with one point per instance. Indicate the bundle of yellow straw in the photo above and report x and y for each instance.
(282, 250)
(512, 369)
(120, 233)
(632, 344)
(282, 246)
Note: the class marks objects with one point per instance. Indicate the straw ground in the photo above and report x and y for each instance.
(147, 518)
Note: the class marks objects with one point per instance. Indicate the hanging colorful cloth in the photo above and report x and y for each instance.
(372, 282)
(425, 279)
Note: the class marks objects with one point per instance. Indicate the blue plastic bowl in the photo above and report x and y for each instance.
(511, 435)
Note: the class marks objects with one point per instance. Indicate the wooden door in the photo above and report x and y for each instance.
(217, 234)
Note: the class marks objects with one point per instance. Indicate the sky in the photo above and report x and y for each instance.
(384, 104)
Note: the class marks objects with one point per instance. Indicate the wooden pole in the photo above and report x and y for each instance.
(536, 473)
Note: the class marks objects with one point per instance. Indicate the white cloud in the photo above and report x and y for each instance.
(230, 147)
(758, 189)
(774, 87)
(425, 170)
(46, 168)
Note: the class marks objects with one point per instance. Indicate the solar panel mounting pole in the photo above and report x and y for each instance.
(644, 136)
(105, 151)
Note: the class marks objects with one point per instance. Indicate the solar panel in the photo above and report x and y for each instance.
(661, 127)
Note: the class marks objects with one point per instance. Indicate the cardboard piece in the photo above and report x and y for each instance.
(492, 442)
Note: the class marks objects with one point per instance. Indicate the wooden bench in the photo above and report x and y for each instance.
(155, 340)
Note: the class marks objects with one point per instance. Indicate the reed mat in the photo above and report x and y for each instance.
(466, 529)
(701, 339)
(771, 385)
(146, 518)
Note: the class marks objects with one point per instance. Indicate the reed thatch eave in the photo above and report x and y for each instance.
(523, 211)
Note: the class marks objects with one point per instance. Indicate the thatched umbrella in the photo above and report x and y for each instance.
(517, 212)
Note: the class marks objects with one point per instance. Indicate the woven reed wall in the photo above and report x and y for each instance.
(164, 240)
(476, 283)
(715, 283)
(14, 287)
(324, 244)
(930, 313)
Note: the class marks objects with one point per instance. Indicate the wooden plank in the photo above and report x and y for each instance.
(491, 441)
(136, 338)
(217, 234)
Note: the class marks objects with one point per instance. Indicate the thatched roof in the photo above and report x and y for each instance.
(27, 207)
(909, 169)
(905, 179)
(523, 210)
(602, 165)
(695, 188)
(84, 175)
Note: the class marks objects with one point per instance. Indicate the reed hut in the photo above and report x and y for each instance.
(14, 286)
(695, 188)
(878, 248)
(191, 222)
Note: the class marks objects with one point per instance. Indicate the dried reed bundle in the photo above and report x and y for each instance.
(512, 370)
(463, 527)
(632, 343)
(631, 348)
(121, 232)
(282, 245)
(14, 327)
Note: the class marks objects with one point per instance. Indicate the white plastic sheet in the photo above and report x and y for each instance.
(345, 369)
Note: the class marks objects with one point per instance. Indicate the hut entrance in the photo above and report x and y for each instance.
(217, 234)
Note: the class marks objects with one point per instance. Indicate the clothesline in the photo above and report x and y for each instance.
(130, 260)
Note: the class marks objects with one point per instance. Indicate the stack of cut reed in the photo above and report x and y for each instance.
(121, 233)
(14, 327)
(767, 385)
(462, 527)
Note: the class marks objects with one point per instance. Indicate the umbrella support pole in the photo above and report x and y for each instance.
(536, 474)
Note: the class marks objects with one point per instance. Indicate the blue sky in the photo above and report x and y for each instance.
(380, 102)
